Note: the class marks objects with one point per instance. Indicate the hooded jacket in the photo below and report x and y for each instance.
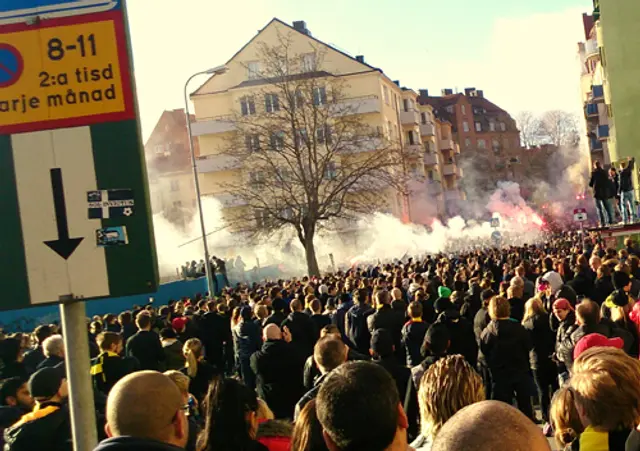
(48, 424)
(543, 340)
(413, 333)
(463, 339)
(356, 327)
(134, 444)
(246, 337)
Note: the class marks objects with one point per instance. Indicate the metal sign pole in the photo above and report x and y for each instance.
(81, 402)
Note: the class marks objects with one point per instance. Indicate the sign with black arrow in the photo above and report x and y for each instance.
(63, 246)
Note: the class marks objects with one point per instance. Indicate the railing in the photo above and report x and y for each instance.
(446, 144)
(216, 163)
(431, 159)
(603, 132)
(427, 129)
(410, 117)
(451, 169)
(213, 125)
(597, 92)
(591, 110)
(356, 105)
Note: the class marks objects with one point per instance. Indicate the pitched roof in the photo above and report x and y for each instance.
(275, 19)
(439, 104)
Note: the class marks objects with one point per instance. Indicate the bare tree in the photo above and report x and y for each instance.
(309, 159)
(560, 128)
(530, 128)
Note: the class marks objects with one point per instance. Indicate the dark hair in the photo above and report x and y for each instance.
(168, 332)
(226, 405)
(9, 388)
(329, 352)
(107, 339)
(125, 318)
(357, 406)
(42, 333)
(307, 433)
(415, 310)
(246, 314)
(10, 349)
(143, 320)
(436, 340)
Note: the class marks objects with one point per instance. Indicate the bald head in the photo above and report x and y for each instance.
(147, 404)
(490, 425)
(272, 332)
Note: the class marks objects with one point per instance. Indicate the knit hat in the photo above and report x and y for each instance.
(179, 323)
(46, 382)
(444, 292)
(620, 280)
(620, 298)
(562, 304)
(442, 305)
(596, 340)
(382, 342)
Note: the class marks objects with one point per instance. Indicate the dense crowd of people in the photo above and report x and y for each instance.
(491, 349)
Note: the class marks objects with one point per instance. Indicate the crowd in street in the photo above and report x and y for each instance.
(491, 349)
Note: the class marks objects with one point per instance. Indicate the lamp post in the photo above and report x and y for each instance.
(214, 71)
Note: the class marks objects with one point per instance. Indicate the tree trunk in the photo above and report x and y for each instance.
(310, 252)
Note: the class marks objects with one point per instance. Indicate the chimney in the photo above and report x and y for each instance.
(447, 92)
(469, 92)
(480, 93)
(360, 58)
(397, 82)
(301, 26)
(424, 92)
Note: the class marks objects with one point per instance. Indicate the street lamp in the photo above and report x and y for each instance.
(214, 71)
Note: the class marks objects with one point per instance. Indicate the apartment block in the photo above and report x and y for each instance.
(169, 167)
(377, 100)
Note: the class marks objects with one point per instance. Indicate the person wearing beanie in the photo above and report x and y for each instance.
(49, 422)
(620, 296)
(386, 318)
(444, 292)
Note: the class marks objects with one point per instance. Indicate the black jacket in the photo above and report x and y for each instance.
(312, 373)
(320, 321)
(147, 348)
(582, 283)
(626, 177)
(408, 397)
(200, 382)
(278, 367)
(52, 430)
(543, 340)
(564, 348)
(32, 359)
(506, 346)
(600, 184)
(275, 318)
(356, 327)
(602, 288)
(480, 322)
(174, 357)
(303, 332)
(308, 396)
(387, 318)
(108, 369)
(246, 339)
(413, 334)
(517, 308)
(463, 339)
(134, 444)
(51, 362)
(215, 332)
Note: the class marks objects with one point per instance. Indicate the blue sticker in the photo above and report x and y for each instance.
(112, 236)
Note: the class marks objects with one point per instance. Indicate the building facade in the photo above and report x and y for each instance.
(379, 102)
(170, 170)
(593, 85)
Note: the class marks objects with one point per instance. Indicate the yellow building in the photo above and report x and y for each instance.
(378, 101)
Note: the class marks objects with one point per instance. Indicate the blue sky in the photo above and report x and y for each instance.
(523, 53)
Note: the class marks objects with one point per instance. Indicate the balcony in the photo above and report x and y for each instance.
(430, 159)
(452, 169)
(591, 110)
(415, 150)
(357, 105)
(597, 93)
(217, 163)
(603, 132)
(452, 195)
(434, 187)
(212, 126)
(427, 129)
(591, 48)
(228, 200)
(410, 117)
(595, 145)
(447, 144)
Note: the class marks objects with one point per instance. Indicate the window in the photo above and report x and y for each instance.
(385, 91)
(253, 70)
(262, 218)
(271, 103)
(463, 108)
(319, 96)
(423, 118)
(411, 137)
(308, 62)
(495, 144)
(482, 144)
(449, 109)
(430, 175)
(390, 130)
(465, 126)
(299, 98)
(175, 185)
(492, 126)
(252, 143)
(467, 143)
(301, 138)
(247, 106)
(396, 134)
(478, 127)
(330, 172)
(405, 104)
(323, 135)
(284, 174)
(503, 127)
(256, 178)
(159, 149)
(277, 141)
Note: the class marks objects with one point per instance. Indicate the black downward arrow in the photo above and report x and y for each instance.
(63, 246)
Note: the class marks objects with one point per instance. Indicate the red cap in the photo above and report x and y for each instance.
(562, 304)
(179, 323)
(596, 340)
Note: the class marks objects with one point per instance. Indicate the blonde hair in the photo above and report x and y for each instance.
(193, 351)
(499, 308)
(622, 313)
(449, 385)
(564, 417)
(264, 412)
(605, 385)
(515, 291)
(533, 307)
(182, 381)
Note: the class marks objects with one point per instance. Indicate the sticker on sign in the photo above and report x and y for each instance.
(64, 74)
